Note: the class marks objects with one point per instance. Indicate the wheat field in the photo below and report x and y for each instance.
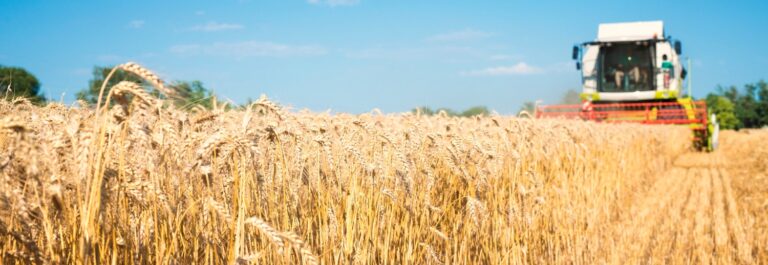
(139, 181)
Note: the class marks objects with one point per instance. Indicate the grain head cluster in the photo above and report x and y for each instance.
(136, 180)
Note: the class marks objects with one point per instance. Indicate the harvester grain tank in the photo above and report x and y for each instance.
(633, 72)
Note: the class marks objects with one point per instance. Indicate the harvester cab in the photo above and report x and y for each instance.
(630, 62)
(633, 72)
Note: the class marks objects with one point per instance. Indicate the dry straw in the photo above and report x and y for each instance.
(138, 181)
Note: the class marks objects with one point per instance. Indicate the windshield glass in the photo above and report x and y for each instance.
(625, 68)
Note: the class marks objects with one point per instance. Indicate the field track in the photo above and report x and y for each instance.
(688, 215)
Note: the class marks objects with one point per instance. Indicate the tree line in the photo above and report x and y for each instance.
(735, 108)
(470, 112)
(16, 82)
(740, 108)
(570, 97)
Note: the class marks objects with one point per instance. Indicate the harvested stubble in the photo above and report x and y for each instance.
(142, 182)
(747, 152)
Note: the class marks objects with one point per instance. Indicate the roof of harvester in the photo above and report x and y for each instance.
(630, 31)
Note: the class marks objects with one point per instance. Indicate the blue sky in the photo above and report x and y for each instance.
(356, 55)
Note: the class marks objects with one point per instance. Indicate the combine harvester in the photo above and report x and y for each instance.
(632, 73)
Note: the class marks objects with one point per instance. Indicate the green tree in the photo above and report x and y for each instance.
(748, 107)
(188, 93)
(724, 110)
(16, 82)
(91, 94)
(762, 105)
(529, 107)
(448, 111)
(571, 97)
(750, 104)
(248, 102)
(476, 110)
(191, 94)
(424, 110)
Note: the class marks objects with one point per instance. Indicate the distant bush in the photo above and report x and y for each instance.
(470, 112)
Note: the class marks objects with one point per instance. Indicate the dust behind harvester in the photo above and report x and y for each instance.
(632, 73)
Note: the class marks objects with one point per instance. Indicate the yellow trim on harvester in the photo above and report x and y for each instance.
(590, 96)
(687, 104)
(654, 114)
(660, 94)
(666, 94)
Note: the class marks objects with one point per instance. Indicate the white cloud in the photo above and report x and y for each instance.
(248, 49)
(135, 24)
(334, 2)
(216, 26)
(520, 68)
(199, 12)
(462, 35)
